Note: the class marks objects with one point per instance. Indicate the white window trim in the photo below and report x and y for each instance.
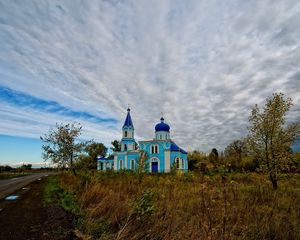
(132, 160)
(180, 163)
(154, 147)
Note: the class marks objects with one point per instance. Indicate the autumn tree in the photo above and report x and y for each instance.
(214, 157)
(270, 138)
(143, 164)
(197, 160)
(61, 145)
(88, 160)
(235, 152)
(94, 150)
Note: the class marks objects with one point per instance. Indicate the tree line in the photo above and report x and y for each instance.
(266, 148)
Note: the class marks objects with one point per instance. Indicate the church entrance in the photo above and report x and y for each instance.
(154, 167)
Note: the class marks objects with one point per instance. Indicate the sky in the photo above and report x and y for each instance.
(200, 64)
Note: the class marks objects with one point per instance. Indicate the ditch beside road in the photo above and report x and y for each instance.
(8, 186)
(28, 217)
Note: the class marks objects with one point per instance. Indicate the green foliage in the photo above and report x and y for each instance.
(85, 162)
(61, 146)
(295, 165)
(270, 138)
(54, 194)
(116, 146)
(89, 162)
(214, 157)
(25, 167)
(96, 149)
(234, 154)
(197, 161)
(143, 206)
(5, 168)
(69, 203)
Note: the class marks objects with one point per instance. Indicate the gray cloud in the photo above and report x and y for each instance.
(203, 64)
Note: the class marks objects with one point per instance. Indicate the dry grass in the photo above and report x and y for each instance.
(238, 206)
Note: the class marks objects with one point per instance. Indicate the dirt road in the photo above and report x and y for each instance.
(9, 186)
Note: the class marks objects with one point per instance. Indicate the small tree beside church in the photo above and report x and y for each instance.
(270, 138)
(61, 145)
(143, 164)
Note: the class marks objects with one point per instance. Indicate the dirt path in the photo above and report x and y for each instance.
(28, 218)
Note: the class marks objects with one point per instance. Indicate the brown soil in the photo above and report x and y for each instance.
(28, 218)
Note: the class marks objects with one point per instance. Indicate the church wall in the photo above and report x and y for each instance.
(115, 162)
(160, 155)
(129, 142)
(126, 157)
(183, 156)
(132, 156)
(167, 161)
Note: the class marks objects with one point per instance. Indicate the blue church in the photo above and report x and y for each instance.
(161, 153)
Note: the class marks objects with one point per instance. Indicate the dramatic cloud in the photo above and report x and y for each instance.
(204, 64)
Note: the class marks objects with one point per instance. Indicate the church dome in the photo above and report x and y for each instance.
(162, 126)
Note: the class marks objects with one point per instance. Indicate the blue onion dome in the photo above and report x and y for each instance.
(162, 126)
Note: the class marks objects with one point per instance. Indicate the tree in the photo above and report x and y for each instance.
(270, 138)
(5, 168)
(143, 165)
(94, 150)
(214, 157)
(235, 152)
(26, 167)
(116, 146)
(62, 146)
(85, 162)
(197, 160)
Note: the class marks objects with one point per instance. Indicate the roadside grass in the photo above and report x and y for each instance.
(8, 175)
(55, 195)
(125, 205)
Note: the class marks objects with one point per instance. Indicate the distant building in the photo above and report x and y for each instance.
(162, 153)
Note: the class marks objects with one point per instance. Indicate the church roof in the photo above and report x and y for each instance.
(162, 126)
(128, 121)
(175, 148)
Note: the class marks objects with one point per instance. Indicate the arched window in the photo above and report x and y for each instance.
(121, 164)
(125, 147)
(177, 162)
(125, 134)
(132, 165)
(182, 163)
(154, 148)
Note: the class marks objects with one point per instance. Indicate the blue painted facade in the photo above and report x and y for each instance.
(162, 153)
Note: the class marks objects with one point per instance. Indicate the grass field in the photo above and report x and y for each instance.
(7, 175)
(191, 206)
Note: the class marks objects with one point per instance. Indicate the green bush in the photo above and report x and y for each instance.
(143, 206)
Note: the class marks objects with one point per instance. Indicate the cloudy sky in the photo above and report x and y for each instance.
(204, 64)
